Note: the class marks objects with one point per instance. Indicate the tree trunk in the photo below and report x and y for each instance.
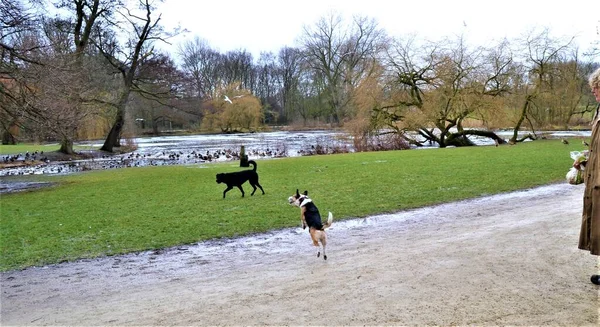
(155, 130)
(8, 138)
(66, 146)
(460, 139)
(514, 138)
(114, 136)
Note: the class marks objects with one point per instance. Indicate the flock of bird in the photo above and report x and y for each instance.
(31, 157)
(36, 164)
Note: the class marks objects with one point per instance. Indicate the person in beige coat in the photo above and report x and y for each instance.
(589, 238)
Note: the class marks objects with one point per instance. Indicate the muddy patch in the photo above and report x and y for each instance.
(18, 186)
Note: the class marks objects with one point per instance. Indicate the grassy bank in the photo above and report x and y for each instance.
(22, 148)
(117, 211)
(26, 147)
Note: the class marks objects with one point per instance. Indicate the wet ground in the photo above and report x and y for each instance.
(508, 259)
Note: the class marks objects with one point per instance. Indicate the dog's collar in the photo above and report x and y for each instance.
(304, 201)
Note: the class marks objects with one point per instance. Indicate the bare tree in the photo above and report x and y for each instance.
(202, 65)
(290, 66)
(268, 86)
(54, 77)
(341, 57)
(16, 23)
(88, 15)
(14, 19)
(542, 55)
(438, 87)
(46, 79)
(144, 29)
(48, 87)
(161, 99)
(238, 68)
(58, 100)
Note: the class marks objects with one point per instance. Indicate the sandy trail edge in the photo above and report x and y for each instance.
(502, 260)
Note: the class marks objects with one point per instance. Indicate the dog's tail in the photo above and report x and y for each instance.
(253, 163)
(329, 221)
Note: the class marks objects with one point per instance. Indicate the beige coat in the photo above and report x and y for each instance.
(589, 238)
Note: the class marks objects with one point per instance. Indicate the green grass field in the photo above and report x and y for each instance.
(22, 148)
(132, 209)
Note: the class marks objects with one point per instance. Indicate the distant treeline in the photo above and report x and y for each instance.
(97, 71)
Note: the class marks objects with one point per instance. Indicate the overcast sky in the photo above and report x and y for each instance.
(269, 25)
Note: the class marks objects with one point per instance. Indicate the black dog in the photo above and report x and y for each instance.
(240, 177)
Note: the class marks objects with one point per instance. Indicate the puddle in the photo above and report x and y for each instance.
(17, 186)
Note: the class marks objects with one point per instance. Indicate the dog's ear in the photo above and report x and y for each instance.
(297, 193)
(305, 193)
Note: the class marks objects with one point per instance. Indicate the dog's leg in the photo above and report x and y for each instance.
(302, 218)
(254, 182)
(314, 235)
(254, 185)
(324, 243)
(254, 189)
(241, 189)
(257, 184)
(226, 190)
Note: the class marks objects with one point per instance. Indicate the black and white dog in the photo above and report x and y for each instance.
(240, 177)
(310, 216)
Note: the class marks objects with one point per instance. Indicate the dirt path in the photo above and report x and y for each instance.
(501, 260)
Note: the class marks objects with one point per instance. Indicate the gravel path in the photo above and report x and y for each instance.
(510, 259)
